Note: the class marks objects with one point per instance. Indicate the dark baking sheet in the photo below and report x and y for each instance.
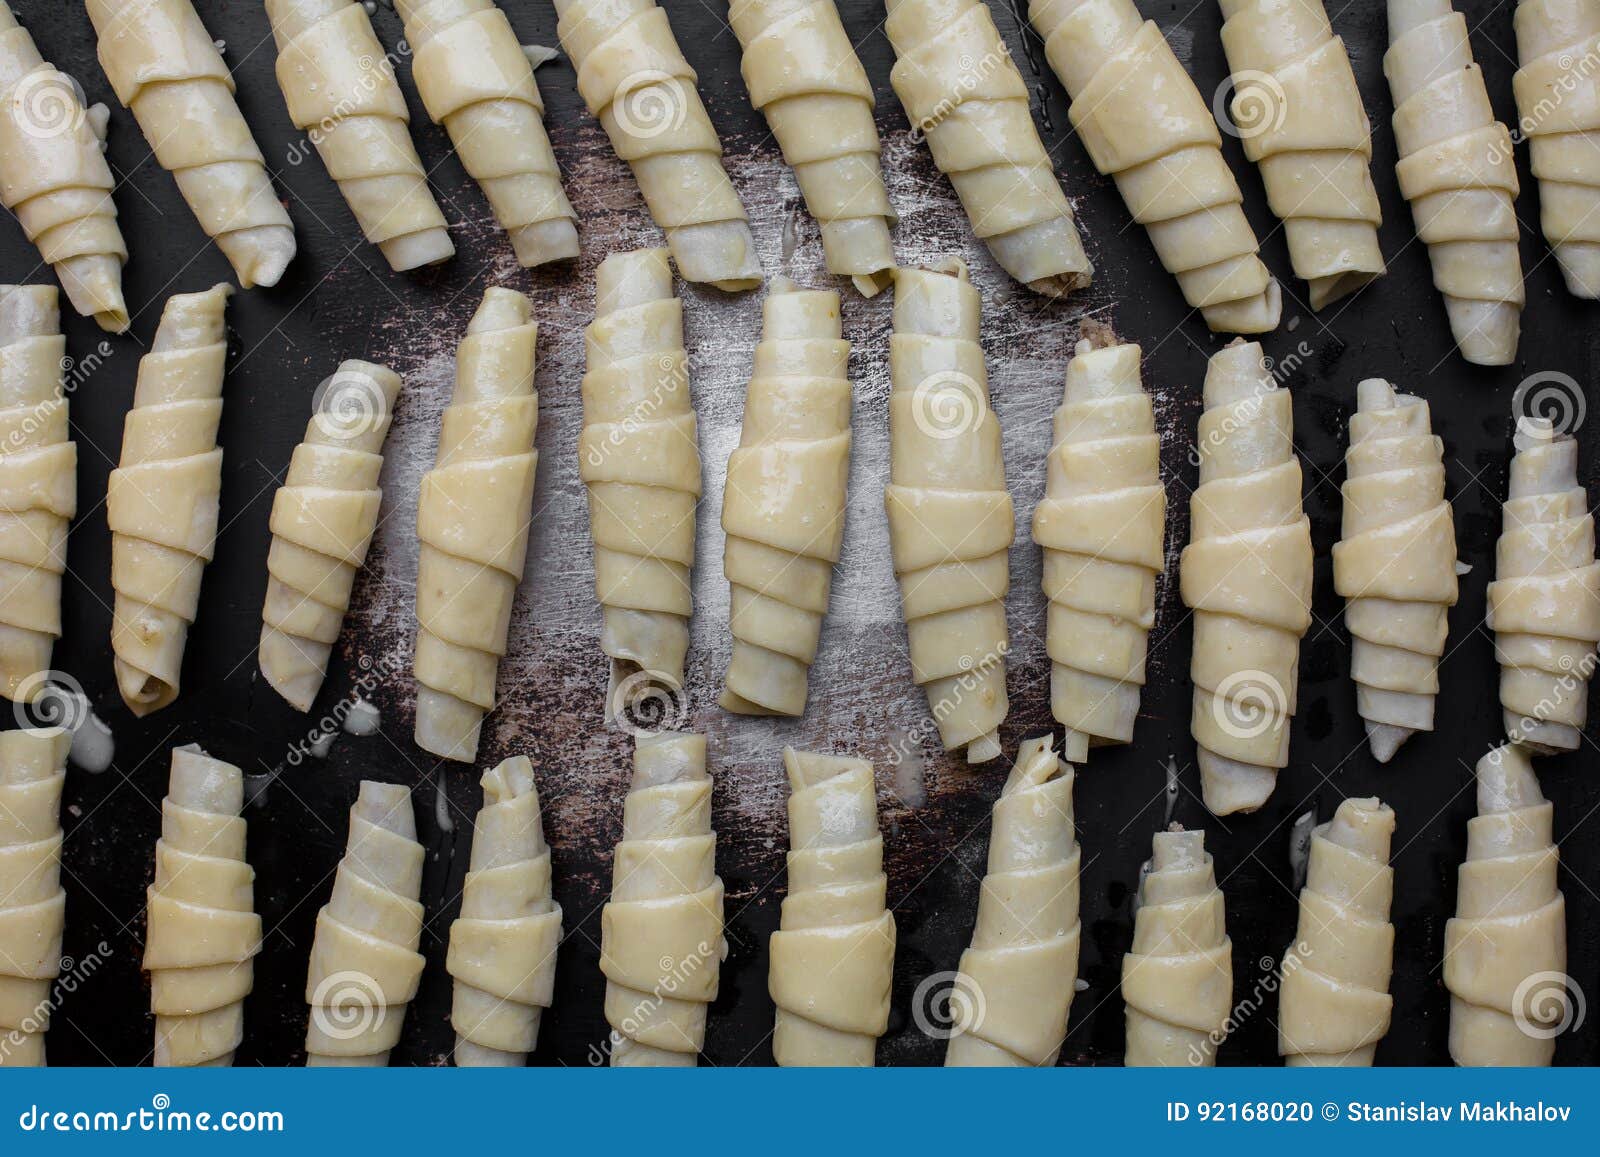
(338, 300)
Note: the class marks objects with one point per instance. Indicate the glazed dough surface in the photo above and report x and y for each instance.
(33, 768)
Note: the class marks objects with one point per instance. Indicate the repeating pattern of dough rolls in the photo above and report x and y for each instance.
(783, 508)
(203, 928)
(1144, 123)
(832, 958)
(503, 945)
(472, 521)
(33, 769)
(661, 944)
(162, 500)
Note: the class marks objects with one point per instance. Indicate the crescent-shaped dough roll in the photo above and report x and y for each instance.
(1022, 967)
(1458, 170)
(783, 509)
(472, 521)
(1144, 123)
(1102, 524)
(503, 945)
(38, 485)
(203, 928)
(1505, 949)
(323, 517)
(805, 77)
(950, 518)
(161, 501)
(661, 944)
(639, 456)
(1334, 1003)
(1544, 602)
(165, 67)
(1246, 574)
(1301, 120)
(477, 81)
(633, 77)
(832, 958)
(1177, 979)
(33, 905)
(54, 176)
(341, 91)
(365, 966)
(1395, 563)
(964, 95)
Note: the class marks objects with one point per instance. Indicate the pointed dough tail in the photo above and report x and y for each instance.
(33, 769)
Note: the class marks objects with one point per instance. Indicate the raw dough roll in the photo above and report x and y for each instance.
(1102, 524)
(33, 769)
(161, 501)
(1246, 574)
(1505, 950)
(54, 176)
(832, 958)
(1301, 120)
(962, 92)
(633, 77)
(341, 91)
(1143, 122)
(950, 518)
(640, 458)
(364, 960)
(472, 520)
(38, 485)
(1177, 979)
(503, 945)
(1544, 602)
(322, 521)
(1023, 963)
(1334, 1002)
(804, 75)
(165, 67)
(477, 81)
(203, 928)
(661, 944)
(1458, 170)
(783, 510)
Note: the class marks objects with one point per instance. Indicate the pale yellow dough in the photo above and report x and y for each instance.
(33, 769)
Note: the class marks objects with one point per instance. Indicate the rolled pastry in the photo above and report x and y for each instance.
(472, 520)
(1102, 525)
(661, 944)
(640, 458)
(1301, 120)
(203, 928)
(322, 521)
(784, 505)
(503, 945)
(1246, 574)
(1544, 602)
(364, 960)
(832, 958)
(54, 176)
(33, 769)
(1177, 979)
(477, 81)
(1334, 1003)
(1505, 950)
(962, 92)
(38, 485)
(950, 519)
(1458, 171)
(1022, 967)
(804, 75)
(161, 501)
(1143, 122)
(341, 91)
(634, 78)
(165, 68)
